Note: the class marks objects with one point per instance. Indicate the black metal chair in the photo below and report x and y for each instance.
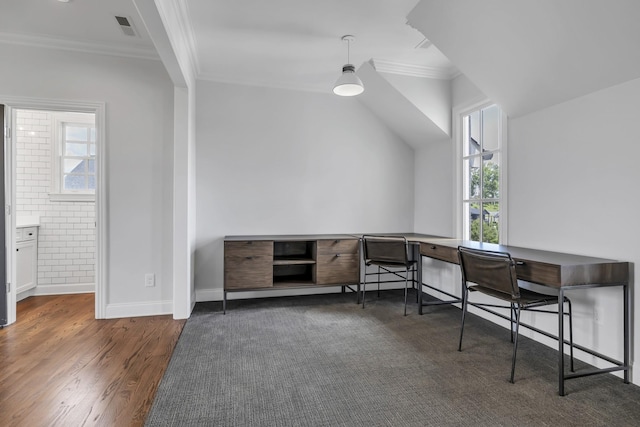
(391, 255)
(494, 274)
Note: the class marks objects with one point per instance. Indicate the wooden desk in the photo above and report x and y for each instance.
(255, 263)
(555, 270)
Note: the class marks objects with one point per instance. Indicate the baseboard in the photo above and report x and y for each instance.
(74, 288)
(205, 295)
(25, 294)
(138, 309)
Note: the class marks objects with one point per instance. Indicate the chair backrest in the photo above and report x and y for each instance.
(488, 269)
(385, 249)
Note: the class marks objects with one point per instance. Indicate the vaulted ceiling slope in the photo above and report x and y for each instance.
(400, 113)
(527, 55)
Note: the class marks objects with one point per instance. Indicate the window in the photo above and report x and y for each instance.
(482, 157)
(74, 163)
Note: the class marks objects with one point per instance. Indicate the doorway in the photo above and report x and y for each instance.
(54, 153)
(54, 202)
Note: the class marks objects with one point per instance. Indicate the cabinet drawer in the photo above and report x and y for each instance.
(248, 265)
(24, 234)
(248, 248)
(332, 247)
(338, 269)
(443, 253)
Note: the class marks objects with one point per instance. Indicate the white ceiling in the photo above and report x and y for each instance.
(524, 55)
(84, 25)
(297, 43)
(278, 43)
(527, 55)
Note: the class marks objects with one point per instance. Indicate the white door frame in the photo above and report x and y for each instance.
(97, 108)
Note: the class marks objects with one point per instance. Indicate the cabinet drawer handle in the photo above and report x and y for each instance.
(249, 257)
(433, 247)
(338, 255)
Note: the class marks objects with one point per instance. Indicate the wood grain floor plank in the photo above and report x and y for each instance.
(60, 366)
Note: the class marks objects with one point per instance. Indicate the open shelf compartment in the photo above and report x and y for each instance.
(294, 262)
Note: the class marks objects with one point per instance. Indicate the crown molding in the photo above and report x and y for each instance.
(175, 17)
(390, 67)
(60, 43)
(184, 19)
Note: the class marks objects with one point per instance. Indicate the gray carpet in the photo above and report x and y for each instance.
(324, 361)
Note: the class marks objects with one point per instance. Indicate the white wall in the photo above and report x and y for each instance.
(164, 20)
(284, 162)
(573, 185)
(139, 137)
(435, 194)
(434, 189)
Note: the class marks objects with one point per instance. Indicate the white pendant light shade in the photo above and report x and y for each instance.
(348, 84)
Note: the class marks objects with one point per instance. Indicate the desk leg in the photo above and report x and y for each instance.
(627, 330)
(561, 342)
(419, 267)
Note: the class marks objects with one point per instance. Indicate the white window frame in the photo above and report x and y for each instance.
(57, 193)
(458, 134)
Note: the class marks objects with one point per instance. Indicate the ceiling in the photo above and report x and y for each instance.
(297, 43)
(585, 45)
(528, 55)
(83, 25)
(278, 43)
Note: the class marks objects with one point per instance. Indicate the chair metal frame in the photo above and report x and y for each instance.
(389, 253)
(495, 275)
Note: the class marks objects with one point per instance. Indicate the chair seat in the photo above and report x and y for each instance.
(391, 264)
(527, 298)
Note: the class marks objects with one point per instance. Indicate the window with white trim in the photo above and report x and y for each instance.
(74, 162)
(482, 174)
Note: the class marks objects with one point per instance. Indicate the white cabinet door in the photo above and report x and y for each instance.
(25, 268)
(26, 258)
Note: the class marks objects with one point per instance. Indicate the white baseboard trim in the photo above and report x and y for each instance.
(25, 294)
(205, 295)
(74, 288)
(138, 309)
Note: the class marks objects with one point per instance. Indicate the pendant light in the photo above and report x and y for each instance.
(348, 84)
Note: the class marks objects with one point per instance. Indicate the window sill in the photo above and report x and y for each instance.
(72, 197)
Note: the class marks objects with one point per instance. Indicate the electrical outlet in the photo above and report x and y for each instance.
(149, 280)
(597, 316)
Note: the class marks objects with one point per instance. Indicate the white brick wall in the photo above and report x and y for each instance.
(66, 237)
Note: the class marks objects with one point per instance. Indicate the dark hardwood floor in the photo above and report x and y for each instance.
(60, 366)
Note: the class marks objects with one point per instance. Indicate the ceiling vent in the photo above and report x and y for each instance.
(126, 26)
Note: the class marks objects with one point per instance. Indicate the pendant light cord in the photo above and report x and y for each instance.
(348, 51)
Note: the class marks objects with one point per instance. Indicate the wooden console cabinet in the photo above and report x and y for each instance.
(254, 263)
